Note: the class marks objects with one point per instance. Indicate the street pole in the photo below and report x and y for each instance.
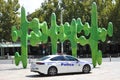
(61, 16)
(61, 19)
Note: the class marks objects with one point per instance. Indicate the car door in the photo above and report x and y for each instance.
(74, 65)
(61, 64)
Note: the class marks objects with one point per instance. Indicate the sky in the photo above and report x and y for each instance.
(30, 5)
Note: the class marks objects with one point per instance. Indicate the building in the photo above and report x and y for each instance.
(108, 49)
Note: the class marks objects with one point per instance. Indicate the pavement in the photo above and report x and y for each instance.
(109, 70)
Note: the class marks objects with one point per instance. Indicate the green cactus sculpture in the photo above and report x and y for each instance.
(96, 34)
(22, 33)
(53, 33)
(40, 33)
(35, 36)
(71, 34)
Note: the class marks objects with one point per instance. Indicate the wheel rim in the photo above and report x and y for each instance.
(52, 71)
(86, 69)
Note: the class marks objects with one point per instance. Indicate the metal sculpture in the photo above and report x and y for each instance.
(34, 37)
(96, 34)
(40, 33)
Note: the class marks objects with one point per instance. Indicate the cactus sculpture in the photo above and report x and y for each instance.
(71, 35)
(35, 36)
(22, 33)
(40, 33)
(96, 34)
(53, 33)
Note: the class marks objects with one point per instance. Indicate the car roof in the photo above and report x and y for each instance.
(57, 55)
(52, 55)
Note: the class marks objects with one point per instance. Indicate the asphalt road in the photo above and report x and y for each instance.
(107, 71)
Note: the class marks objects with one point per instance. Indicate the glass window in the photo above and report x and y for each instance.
(70, 58)
(58, 58)
(43, 58)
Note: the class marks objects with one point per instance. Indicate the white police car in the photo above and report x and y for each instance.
(56, 64)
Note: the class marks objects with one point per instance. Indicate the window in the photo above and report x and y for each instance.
(43, 58)
(70, 58)
(58, 58)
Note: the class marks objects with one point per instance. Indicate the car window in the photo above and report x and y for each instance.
(43, 58)
(58, 58)
(70, 58)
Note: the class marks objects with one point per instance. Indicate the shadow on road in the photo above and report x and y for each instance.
(66, 74)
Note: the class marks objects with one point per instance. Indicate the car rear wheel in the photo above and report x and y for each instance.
(52, 71)
(86, 69)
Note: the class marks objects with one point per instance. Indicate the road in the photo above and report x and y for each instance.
(107, 71)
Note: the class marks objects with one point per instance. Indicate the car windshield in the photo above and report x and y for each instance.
(43, 58)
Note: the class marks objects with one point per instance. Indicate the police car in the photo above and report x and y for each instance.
(56, 64)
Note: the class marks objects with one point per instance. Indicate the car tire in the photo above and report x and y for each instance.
(86, 68)
(52, 71)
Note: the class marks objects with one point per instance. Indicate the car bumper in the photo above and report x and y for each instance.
(39, 69)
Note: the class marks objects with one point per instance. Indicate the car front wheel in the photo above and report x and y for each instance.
(86, 69)
(52, 71)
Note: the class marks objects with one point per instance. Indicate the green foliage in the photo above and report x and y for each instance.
(8, 17)
(70, 8)
(82, 8)
(114, 17)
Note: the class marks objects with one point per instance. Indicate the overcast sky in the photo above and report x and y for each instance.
(30, 5)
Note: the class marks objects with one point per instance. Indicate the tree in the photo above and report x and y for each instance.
(114, 17)
(8, 18)
(45, 11)
(82, 9)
